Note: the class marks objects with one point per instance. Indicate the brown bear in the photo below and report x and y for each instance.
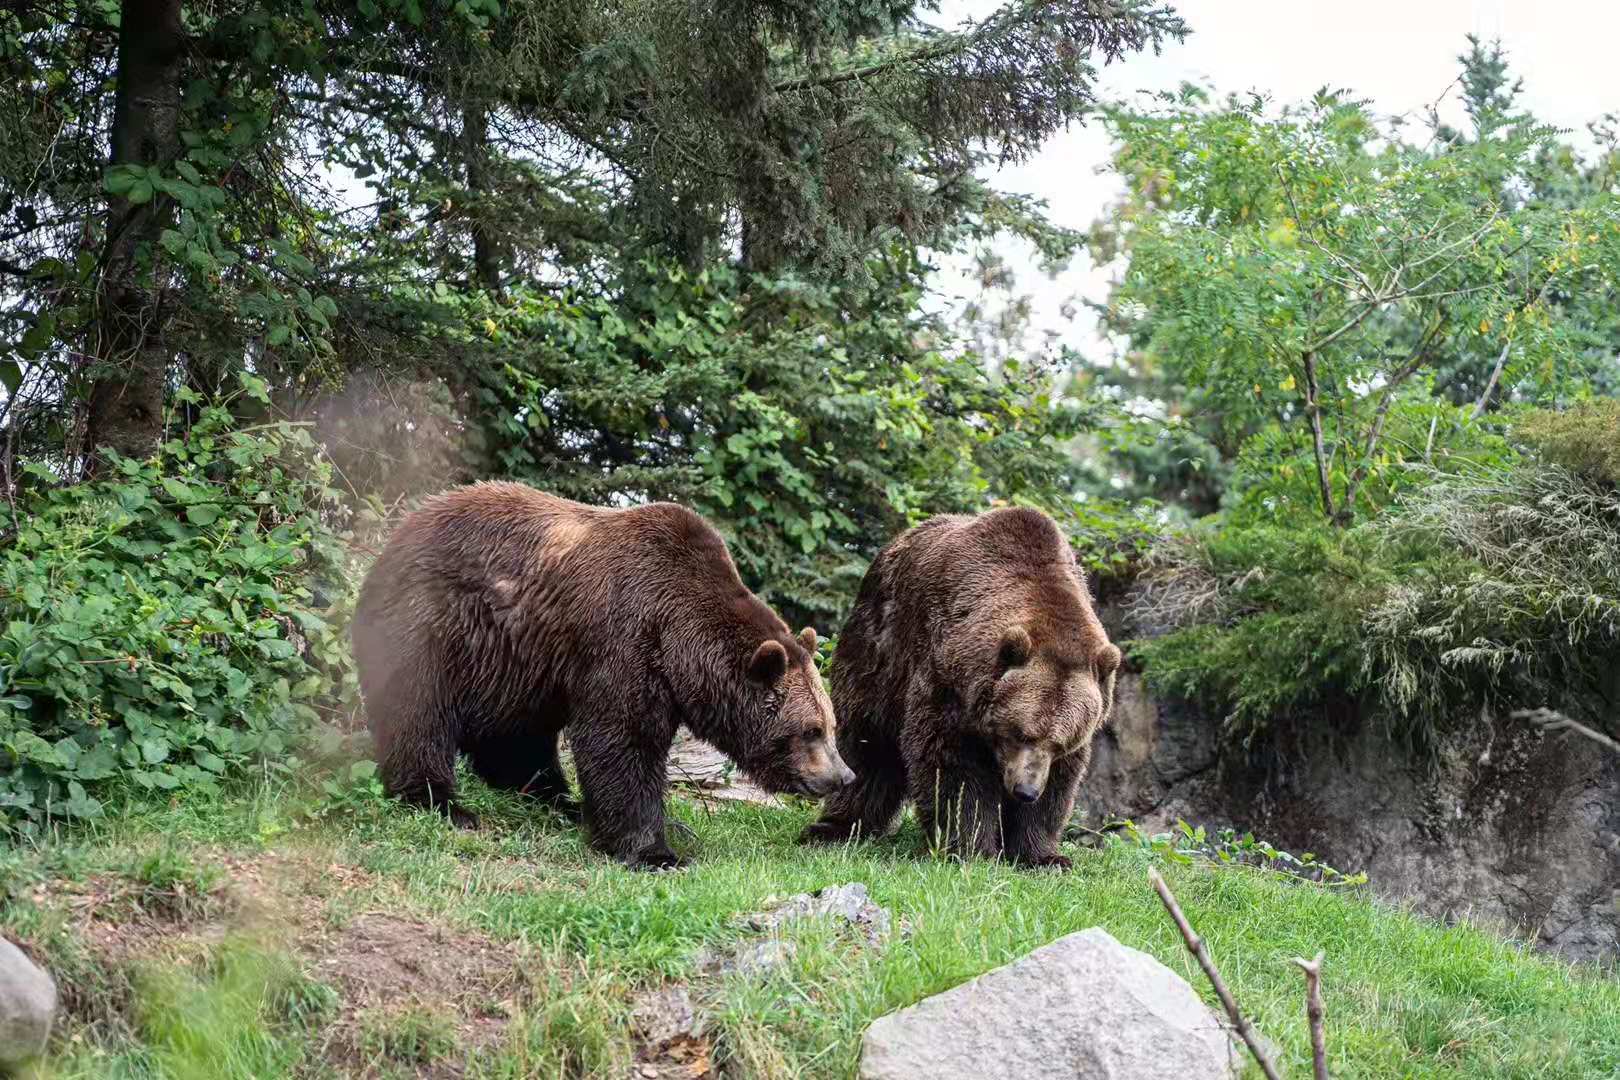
(970, 677)
(498, 616)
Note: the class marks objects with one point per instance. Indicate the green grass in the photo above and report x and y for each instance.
(1404, 996)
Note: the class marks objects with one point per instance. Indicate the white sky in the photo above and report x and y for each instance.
(1399, 53)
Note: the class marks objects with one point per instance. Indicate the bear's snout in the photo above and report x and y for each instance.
(829, 780)
(1023, 770)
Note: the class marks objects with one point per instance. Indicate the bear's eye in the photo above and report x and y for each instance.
(815, 733)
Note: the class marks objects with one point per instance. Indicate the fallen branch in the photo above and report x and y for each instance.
(1552, 720)
(1195, 945)
(1313, 1013)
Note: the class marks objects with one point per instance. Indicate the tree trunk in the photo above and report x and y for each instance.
(486, 251)
(131, 359)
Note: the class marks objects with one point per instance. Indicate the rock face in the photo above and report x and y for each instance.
(1512, 826)
(27, 1006)
(1084, 1007)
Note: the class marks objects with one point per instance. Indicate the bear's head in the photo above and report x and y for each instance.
(797, 746)
(1048, 699)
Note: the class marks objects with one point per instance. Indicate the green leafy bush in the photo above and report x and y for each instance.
(1259, 622)
(159, 626)
(1522, 610)
(1584, 439)
(1494, 586)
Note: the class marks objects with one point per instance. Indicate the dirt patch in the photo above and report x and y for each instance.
(671, 1036)
(405, 985)
(390, 971)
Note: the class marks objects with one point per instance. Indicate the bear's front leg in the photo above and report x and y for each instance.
(1034, 830)
(622, 779)
(959, 806)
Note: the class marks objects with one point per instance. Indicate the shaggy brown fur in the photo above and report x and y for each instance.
(971, 677)
(499, 615)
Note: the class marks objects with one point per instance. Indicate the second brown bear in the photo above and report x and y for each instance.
(970, 678)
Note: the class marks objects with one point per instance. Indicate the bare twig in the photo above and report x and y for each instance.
(1364, 466)
(1313, 1013)
(1195, 945)
(1501, 357)
(1490, 384)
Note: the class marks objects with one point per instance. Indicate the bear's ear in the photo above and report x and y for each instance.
(1108, 660)
(769, 663)
(1014, 650)
(807, 638)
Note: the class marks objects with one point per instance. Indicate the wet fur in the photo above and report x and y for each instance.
(917, 671)
(498, 616)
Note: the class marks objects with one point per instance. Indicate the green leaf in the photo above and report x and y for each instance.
(202, 514)
(120, 179)
(97, 763)
(179, 489)
(39, 336)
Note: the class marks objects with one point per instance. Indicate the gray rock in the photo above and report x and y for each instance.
(843, 905)
(27, 1006)
(665, 1016)
(848, 903)
(1084, 1007)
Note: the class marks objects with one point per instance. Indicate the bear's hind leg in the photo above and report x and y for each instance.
(866, 808)
(622, 777)
(416, 733)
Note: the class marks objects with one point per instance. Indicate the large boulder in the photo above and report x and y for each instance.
(1084, 1007)
(27, 1006)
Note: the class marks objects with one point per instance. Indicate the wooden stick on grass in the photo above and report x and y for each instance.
(1195, 945)
(1313, 1013)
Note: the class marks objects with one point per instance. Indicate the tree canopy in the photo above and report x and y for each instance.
(294, 189)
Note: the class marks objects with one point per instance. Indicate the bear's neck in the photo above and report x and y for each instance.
(716, 705)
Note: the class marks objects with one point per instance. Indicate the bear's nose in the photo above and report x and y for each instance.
(1026, 792)
(846, 776)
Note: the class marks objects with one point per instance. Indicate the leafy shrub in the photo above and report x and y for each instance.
(1494, 586)
(1187, 844)
(159, 626)
(1524, 611)
(1256, 622)
(1584, 439)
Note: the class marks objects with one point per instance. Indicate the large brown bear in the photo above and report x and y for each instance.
(971, 677)
(499, 615)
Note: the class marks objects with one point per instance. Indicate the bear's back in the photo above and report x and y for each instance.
(957, 579)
